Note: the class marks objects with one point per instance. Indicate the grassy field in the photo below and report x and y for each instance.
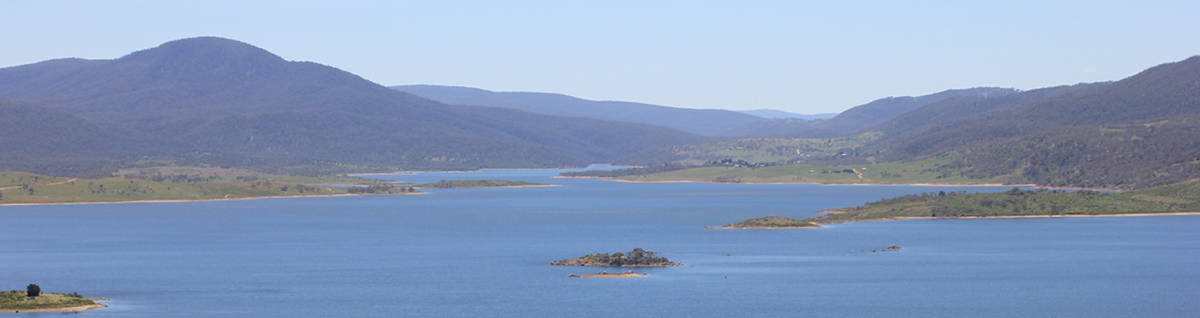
(935, 170)
(117, 189)
(769, 150)
(1182, 197)
(11, 179)
(215, 174)
(16, 300)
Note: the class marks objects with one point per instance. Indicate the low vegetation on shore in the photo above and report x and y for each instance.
(636, 258)
(1176, 198)
(769, 223)
(28, 189)
(18, 301)
(931, 171)
(451, 184)
(1183, 197)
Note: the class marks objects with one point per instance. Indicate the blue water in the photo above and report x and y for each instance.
(486, 252)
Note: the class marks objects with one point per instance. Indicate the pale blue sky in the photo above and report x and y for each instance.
(790, 55)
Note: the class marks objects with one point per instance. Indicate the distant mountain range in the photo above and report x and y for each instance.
(219, 101)
(1138, 132)
(859, 118)
(779, 114)
(698, 121)
(214, 101)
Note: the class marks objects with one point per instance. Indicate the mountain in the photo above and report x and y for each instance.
(698, 121)
(219, 101)
(36, 139)
(859, 118)
(1164, 91)
(779, 114)
(1137, 132)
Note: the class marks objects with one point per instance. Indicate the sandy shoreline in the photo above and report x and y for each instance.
(1040, 216)
(1031, 216)
(607, 275)
(849, 184)
(406, 172)
(501, 187)
(761, 227)
(62, 309)
(208, 200)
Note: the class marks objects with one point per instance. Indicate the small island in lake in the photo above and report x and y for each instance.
(768, 223)
(628, 274)
(457, 184)
(33, 300)
(636, 258)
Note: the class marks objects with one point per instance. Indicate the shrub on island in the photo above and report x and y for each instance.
(636, 258)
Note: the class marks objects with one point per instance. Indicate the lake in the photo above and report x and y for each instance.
(486, 252)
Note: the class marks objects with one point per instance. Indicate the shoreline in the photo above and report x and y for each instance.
(926, 184)
(407, 172)
(755, 228)
(205, 200)
(1031, 216)
(64, 310)
(500, 187)
(609, 275)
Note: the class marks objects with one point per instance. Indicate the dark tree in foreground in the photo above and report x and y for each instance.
(33, 290)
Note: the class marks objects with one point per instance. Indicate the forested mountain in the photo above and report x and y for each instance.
(219, 101)
(779, 114)
(860, 118)
(1137, 132)
(1165, 91)
(1128, 155)
(39, 139)
(698, 121)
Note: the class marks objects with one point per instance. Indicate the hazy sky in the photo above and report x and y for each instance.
(790, 55)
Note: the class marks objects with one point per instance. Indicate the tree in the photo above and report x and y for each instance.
(33, 290)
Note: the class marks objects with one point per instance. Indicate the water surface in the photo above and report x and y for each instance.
(485, 252)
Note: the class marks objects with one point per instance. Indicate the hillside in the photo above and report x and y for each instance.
(697, 121)
(860, 118)
(36, 139)
(1164, 91)
(218, 101)
(1134, 133)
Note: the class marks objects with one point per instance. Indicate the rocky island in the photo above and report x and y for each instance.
(33, 300)
(636, 258)
(768, 223)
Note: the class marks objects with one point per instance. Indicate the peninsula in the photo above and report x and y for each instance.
(1173, 199)
(181, 184)
(15, 301)
(768, 223)
(636, 258)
